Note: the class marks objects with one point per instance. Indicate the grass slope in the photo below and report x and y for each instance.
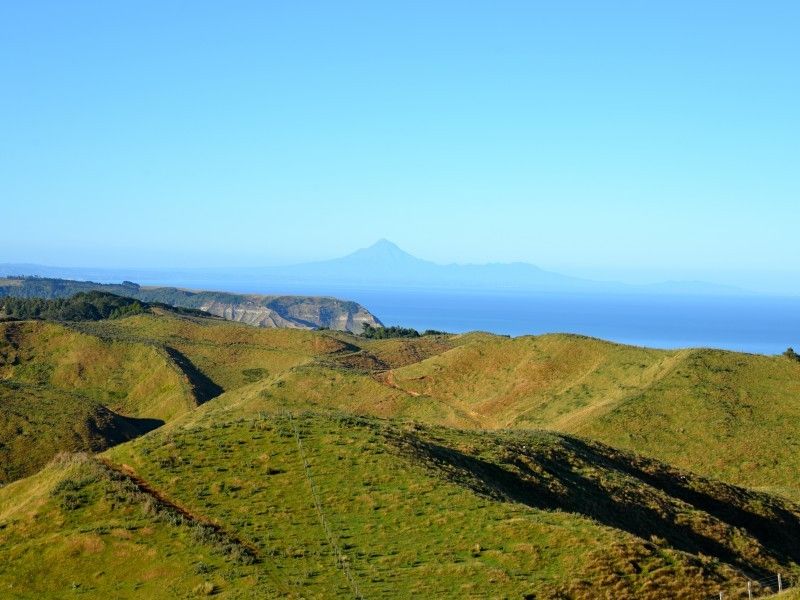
(37, 422)
(90, 385)
(78, 528)
(320, 505)
(127, 377)
(229, 354)
(239, 498)
(335, 505)
(65, 390)
(723, 414)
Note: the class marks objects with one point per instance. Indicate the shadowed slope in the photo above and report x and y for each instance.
(723, 414)
(409, 504)
(203, 388)
(625, 491)
(38, 422)
(226, 353)
(64, 390)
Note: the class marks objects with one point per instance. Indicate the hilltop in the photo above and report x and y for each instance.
(304, 312)
(722, 414)
(61, 390)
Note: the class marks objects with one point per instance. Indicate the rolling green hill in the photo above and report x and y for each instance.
(64, 390)
(295, 463)
(334, 505)
(724, 414)
(88, 385)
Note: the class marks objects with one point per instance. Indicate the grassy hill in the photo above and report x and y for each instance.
(79, 528)
(228, 354)
(317, 463)
(89, 385)
(64, 390)
(724, 414)
(38, 422)
(334, 505)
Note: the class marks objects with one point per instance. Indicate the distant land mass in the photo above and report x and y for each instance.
(383, 266)
(304, 312)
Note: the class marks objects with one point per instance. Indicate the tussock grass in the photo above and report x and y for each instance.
(133, 379)
(78, 528)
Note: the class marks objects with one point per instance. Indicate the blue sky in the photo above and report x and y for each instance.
(645, 140)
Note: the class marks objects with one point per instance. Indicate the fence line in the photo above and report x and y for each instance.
(341, 560)
(757, 588)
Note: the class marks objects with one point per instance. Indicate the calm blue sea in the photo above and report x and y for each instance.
(758, 324)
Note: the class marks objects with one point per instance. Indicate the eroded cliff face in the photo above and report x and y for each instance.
(292, 311)
(260, 316)
(305, 312)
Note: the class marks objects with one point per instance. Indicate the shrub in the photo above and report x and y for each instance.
(253, 375)
(383, 333)
(205, 589)
(202, 568)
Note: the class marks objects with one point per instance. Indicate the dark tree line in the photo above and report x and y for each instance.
(384, 333)
(84, 306)
(48, 287)
(790, 353)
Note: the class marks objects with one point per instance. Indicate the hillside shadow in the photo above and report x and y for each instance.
(113, 428)
(555, 485)
(779, 532)
(203, 387)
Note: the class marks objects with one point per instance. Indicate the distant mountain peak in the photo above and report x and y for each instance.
(382, 251)
(384, 245)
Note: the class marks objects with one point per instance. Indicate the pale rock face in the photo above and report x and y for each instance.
(303, 312)
(260, 316)
(295, 312)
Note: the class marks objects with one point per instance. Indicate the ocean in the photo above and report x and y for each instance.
(762, 325)
(756, 324)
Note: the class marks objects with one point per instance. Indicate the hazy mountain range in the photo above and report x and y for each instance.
(381, 266)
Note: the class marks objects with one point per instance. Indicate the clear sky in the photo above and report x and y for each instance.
(597, 137)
